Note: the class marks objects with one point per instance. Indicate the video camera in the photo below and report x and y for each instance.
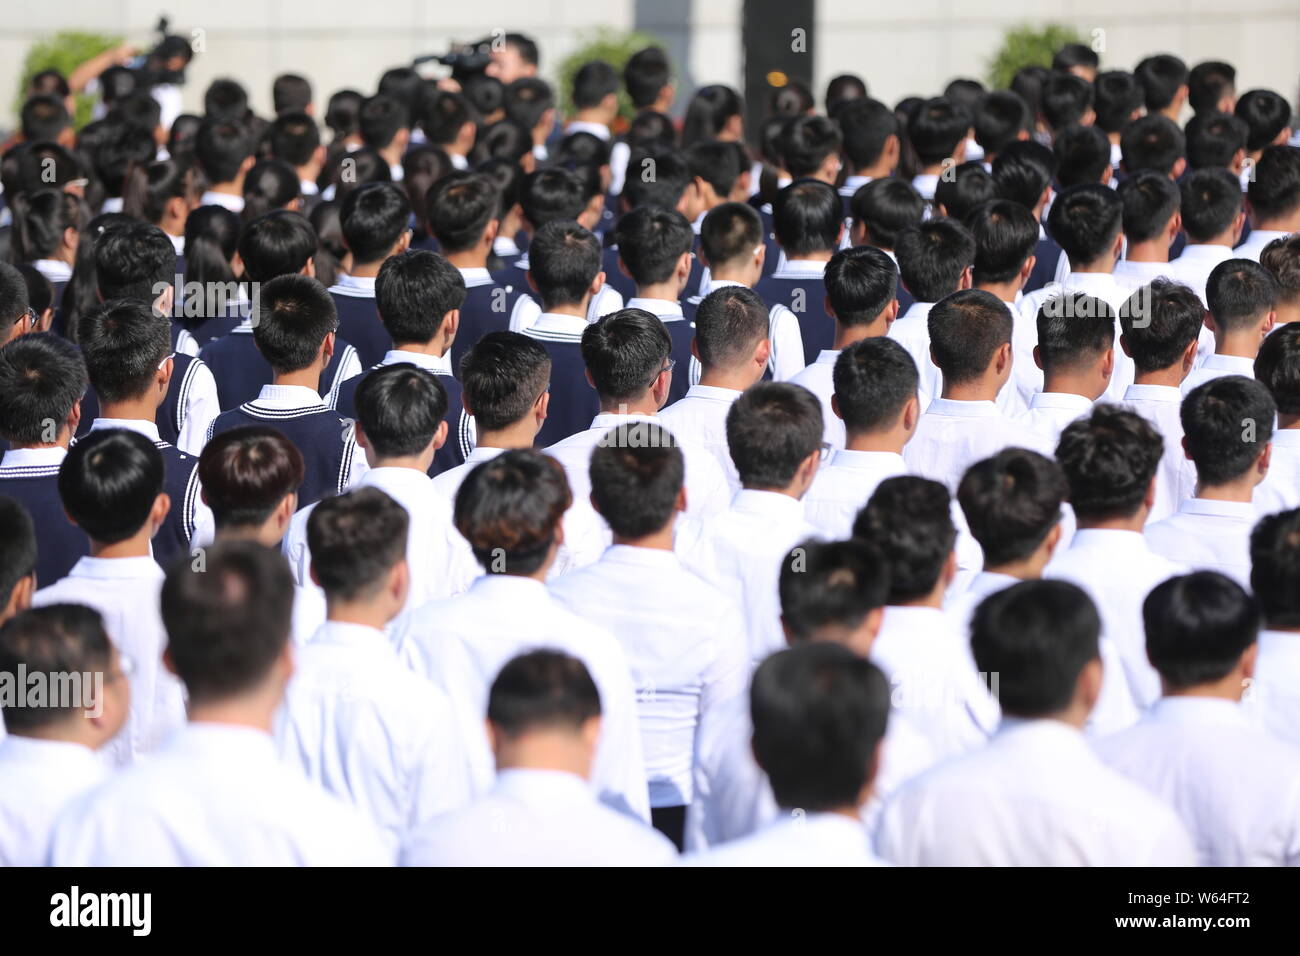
(152, 67)
(465, 59)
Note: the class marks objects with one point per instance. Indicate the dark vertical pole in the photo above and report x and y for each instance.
(774, 48)
(670, 21)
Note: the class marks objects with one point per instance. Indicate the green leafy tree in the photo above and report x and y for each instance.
(614, 47)
(1028, 46)
(64, 51)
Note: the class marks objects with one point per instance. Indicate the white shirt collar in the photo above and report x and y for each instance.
(56, 270)
(355, 285)
(1235, 364)
(1196, 710)
(481, 453)
(229, 200)
(1210, 251)
(288, 396)
(34, 457)
(599, 130)
(1109, 538)
(178, 243)
(917, 310)
(505, 247)
(801, 267)
(476, 276)
(663, 308)
(1153, 393)
(962, 409)
(116, 569)
(1213, 507)
(713, 393)
(852, 184)
(534, 786)
(558, 322)
(826, 357)
(866, 460)
(1064, 400)
(354, 635)
(755, 501)
(438, 364)
(1286, 438)
(141, 427)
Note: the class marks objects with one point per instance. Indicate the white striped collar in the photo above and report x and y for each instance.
(476, 277)
(288, 397)
(46, 457)
(56, 270)
(438, 364)
(800, 269)
(663, 308)
(362, 287)
(557, 327)
(138, 425)
(505, 247)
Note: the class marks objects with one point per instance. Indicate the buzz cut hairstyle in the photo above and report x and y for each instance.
(860, 282)
(966, 330)
(729, 324)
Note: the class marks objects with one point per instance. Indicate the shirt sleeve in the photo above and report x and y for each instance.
(787, 344)
(201, 410)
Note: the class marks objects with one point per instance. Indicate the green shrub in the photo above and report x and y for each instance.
(1028, 46)
(64, 51)
(615, 47)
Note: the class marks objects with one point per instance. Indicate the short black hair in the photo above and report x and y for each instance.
(400, 407)
(1005, 235)
(1085, 221)
(1074, 330)
(123, 342)
(771, 429)
(731, 232)
(886, 207)
(1275, 189)
(221, 146)
(966, 330)
(1037, 636)
(637, 471)
(1211, 200)
(1000, 118)
(109, 481)
(542, 690)
(1011, 502)
(1207, 84)
(1149, 201)
(819, 713)
(294, 314)
(502, 376)
(17, 546)
(1227, 421)
(1266, 113)
(843, 88)
(860, 282)
(53, 641)
(356, 539)
(1159, 321)
(509, 510)
(671, 175)
(1197, 627)
(593, 81)
(228, 620)
(1109, 458)
(564, 259)
(624, 352)
(43, 117)
(133, 260)
(527, 100)
(1239, 293)
(1160, 76)
(729, 323)
(873, 380)
(276, 243)
(1213, 139)
(414, 291)
(1065, 100)
(646, 72)
(936, 128)
(460, 206)
(717, 163)
(246, 472)
(381, 118)
(1023, 171)
(342, 112)
(225, 99)
(651, 240)
(1028, 82)
(968, 186)
(1275, 568)
(373, 217)
(909, 519)
(1154, 142)
(551, 193)
(1075, 54)
(806, 142)
(290, 93)
(42, 376)
(866, 126)
(807, 217)
(1277, 367)
(1117, 97)
(1083, 153)
(932, 256)
(14, 298)
(830, 584)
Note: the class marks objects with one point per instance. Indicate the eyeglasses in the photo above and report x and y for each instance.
(826, 450)
(670, 364)
(166, 359)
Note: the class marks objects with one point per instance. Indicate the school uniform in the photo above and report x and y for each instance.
(227, 200)
(461, 643)
(58, 273)
(1131, 276)
(573, 401)
(537, 817)
(700, 418)
(844, 484)
(818, 378)
(225, 317)
(1280, 489)
(38, 778)
(926, 184)
(1161, 406)
(322, 435)
(687, 368)
(460, 424)
(814, 839)
(487, 307)
(1272, 701)
(799, 286)
(1207, 535)
(356, 721)
(528, 307)
(1236, 789)
(188, 408)
(215, 795)
(1036, 795)
(786, 359)
(911, 330)
(447, 484)
(240, 371)
(1048, 415)
(126, 593)
(1050, 263)
(1217, 366)
(1256, 242)
(1193, 267)
(31, 477)
(359, 322)
(952, 435)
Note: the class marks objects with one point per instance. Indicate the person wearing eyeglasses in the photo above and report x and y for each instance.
(17, 317)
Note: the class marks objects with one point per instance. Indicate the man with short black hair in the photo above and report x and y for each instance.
(385, 126)
(1281, 257)
(1277, 367)
(1212, 217)
(938, 132)
(1151, 223)
(1156, 143)
(1118, 101)
(1164, 81)
(878, 213)
(871, 143)
(224, 151)
(294, 138)
(1272, 199)
(1076, 354)
(1024, 173)
(1272, 702)
(1001, 118)
(1241, 296)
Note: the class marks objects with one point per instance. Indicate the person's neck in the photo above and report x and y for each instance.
(308, 377)
(436, 348)
(725, 273)
(1133, 522)
(76, 730)
(1287, 422)
(252, 712)
(1241, 490)
(661, 540)
(172, 225)
(976, 390)
(1149, 250)
(1287, 312)
(521, 434)
(1230, 688)
(1227, 238)
(366, 270)
(556, 751)
(878, 170)
(665, 291)
(817, 255)
(891, 440)
(392, 153)
(1005, 291)
(597, 117)
(1172, 376)
(233, 188)
(266, 534)
(1103, 266)
(133, 410)
(576, 309)
(1066, 384)
(357, 612)
(846, 335)
(475, 258)
(932, 600)
(790, 491)
(735, 379)
(643, 404)
(136, 546)
(62, 440)
(1240, 344)
(933, 169)
(1288, 224)
(1028, 569)
(418, 463)
(308, 173)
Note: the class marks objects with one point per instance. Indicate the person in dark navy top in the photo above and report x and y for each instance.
(295, 334)
(42, 379)
(130, 364)
(465, 213)
(565, 272)
(376, 224)
(17, 558)
(277, 243)
(1023, 173)
(871, 144)
(720, 174)
(212, 302)
(420, 297)
(880, 210)
(808, 221)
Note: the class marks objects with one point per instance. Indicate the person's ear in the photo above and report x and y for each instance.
(587, 374)
(164, 376)
(399, 581)
(1088, 689)
(1123, 344)
(828, 308)
(1189, 356)
(912, 413)
(359, 435)
(622, 267)
(1209, 322)
(1270, 321)
(285, 509)
(684, 266)
(162, 306)
(1248, 659)
(1149, 499)
(327, 349)
(1180, 167)
(490, 233)
(169, 662)
(1038, 357)
(679, 504)
(1053, 539)
(318, 156)
(403, 242)
(451, 324)
(1108, 364)
(597, 284)
(695, 349)
(248, 163)
(440, 436)
(967, 278)
(1265, 459)
(70, 238)
(532, 283)
(1238, 224)
(74, 417)
(541, 407)
(309, 268)
(760, 255)
(237, 265)
(1003, 357)
(835, 406)
(763, 353)
(1186, 453)
(177, 208)
(158, 513)
(1175, 226)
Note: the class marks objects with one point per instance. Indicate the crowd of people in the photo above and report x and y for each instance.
(479, 485)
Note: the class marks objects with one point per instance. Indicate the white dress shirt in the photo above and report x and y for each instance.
(527, 311)
(1256, 242)
(685, 642)
(1035, 796)
(1197, 261)
(911, 330)
(953, 435)
(1272, 701)
(818, 379)
(356, 721)
(1280, 489)
(199, 408)
(215, 795)
(814, 839)
(1161, 406)
(1217, 366)
(740, 551)
(447, 483)
(38, 778)
(1049, 413)
(1132, 276)
(537, 818)
(926, 184)
(126, 592)
(461, 643)
(1207, 535)
(227, 200)
(700, 417)
(1236, 788)
(843, 486)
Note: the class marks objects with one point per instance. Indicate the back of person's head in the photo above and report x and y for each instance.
(937, 129)
(374, 217)
(828, 588)
(806, 142)
(342, 113)
(1154, 142)
(149, 189)
(42, 377)
(543, 691)
(221, 147)
(819, 713)
(637, 472)
(843, 89)
(356, 539)
(1037, 636)
(15, 299)
(1159, 322)
(460, 206)
(270, 184)
(551, 193)
(1209, 83)
(381, 118)
(594, 81)
(1083, 153)
(874, 379)
(17, 549)
(1274, 192)
(1149, 200)
(966, 330)
(295, 314)
(886, 207)
(772, 430)
(1214, 139)
(1012, 501)
(124, 343)
(402, 83)
(41, 220)
(110, 483)
(860, 282)
(509, 510)
(1027, 83)
(527, 99)
(731, 233)
(657, 178)
(1210, 203)
(1074, 331)
(1117, 97)
(228, 620)
(1227, 423)
(1023, 171)
(1109, 458)
(400, 409)
(225, 100)
(709, 111)
(414, 292)
(730, 323)
(1277, 367)
(443, 115)
(1006, 235)
(43, 117)
(932, 257)
(718, 164)
(1240, 293)
(277, 243)
(212, 236)
(136, 261)
(909, 519)
(290, 93)
(246, 473)
(1198, 626)
(1275, 568)
(502, 376)
(964, 189)
(625, 353)
(1161, 76)
(1065, 101)
(866, 126)
(1281, 257)
(1074, 56)
(1085, 221)
(651, 242)
(1266, 114)
(51, 644)
(564, 259)
(645, 74)
(999, 120)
